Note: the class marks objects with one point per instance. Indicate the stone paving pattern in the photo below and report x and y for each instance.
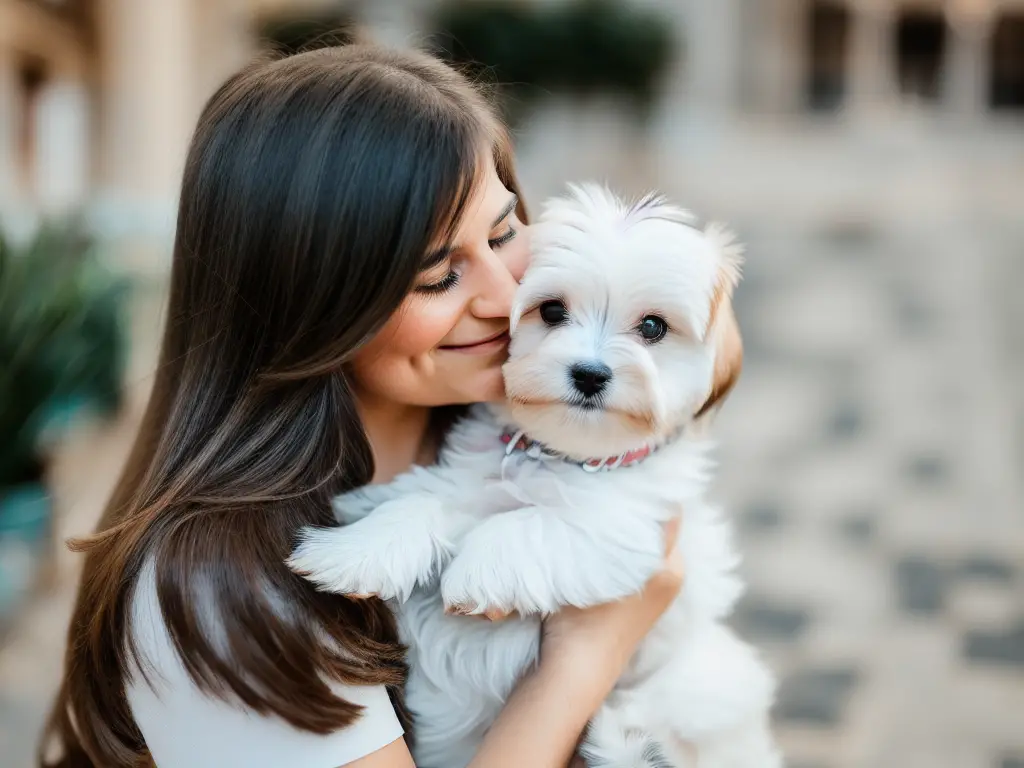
(871, 454)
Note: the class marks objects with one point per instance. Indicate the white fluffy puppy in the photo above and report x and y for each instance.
(622, 332)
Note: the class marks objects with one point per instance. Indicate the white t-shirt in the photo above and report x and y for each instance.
(185, 728)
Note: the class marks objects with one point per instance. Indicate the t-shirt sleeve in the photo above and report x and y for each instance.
(185, 728)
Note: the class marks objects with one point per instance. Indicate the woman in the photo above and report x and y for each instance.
(348, 241)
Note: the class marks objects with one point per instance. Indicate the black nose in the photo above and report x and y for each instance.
(590, 378)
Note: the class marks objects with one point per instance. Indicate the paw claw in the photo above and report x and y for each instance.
(458, 609)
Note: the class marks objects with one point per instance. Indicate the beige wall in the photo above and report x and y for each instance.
(114, 120)
(120, 106)
(161, 59)
(61, 168)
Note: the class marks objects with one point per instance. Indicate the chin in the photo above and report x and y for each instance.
(486, 387)
(580, 431)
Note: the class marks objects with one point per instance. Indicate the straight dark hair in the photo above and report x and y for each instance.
(314, 187)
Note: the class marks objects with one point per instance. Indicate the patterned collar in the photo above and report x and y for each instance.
(516, 441)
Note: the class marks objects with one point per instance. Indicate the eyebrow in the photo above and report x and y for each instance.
(437, 256)
(506, 211)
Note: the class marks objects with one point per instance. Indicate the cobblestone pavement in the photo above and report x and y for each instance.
(871, 455)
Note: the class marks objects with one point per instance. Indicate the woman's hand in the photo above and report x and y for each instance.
(600, 640)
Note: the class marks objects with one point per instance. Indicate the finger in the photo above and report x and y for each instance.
(671, 535)
(361, 596)
(500, 614)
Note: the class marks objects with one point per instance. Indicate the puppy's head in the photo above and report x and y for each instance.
(622, 329)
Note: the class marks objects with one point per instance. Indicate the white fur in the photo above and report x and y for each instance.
(482, 531)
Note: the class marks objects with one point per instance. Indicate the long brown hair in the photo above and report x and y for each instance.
(313, 188)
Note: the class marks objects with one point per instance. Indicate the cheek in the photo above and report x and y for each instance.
(688, 373)
(421, 326)
(390, 358)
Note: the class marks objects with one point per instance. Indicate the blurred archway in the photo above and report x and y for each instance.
(1007, 82)
(920, 51)
(828, 34)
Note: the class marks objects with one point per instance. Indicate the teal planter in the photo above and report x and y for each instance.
(24, 522)
(24, 512)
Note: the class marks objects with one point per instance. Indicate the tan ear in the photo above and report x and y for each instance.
(722, 325)
(728, 353)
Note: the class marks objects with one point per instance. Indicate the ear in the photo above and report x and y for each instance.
(722, 325)
(729, 253)
(728, 357)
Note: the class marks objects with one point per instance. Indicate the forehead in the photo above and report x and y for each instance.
(488, 195)
(626, 258)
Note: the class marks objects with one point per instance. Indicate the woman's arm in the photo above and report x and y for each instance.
(582, 655)
(394, 755)
(540, 725)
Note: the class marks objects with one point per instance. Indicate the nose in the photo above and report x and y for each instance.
(495, 288)
(590, 378)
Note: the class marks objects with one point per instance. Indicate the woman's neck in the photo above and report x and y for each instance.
(399, 436)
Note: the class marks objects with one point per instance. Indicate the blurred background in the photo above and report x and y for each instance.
(871, 154)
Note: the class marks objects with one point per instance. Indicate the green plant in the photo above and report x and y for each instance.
(61, 340)
(579, 47)
(291, 33)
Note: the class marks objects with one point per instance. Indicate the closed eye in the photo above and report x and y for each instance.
(445, 284)
(501, 240)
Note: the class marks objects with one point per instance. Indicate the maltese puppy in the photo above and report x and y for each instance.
(622, 336)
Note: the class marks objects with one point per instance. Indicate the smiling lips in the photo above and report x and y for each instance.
(489, 344)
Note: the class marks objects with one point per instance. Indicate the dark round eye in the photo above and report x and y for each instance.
(653, 328)
(553, 312)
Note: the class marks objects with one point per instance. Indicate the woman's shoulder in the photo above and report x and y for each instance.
(185, 725)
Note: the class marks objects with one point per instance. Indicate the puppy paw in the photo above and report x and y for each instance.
(463, 592)
(402, 544)
(500, 570)
(340, 560)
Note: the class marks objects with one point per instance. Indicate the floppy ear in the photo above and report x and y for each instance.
(728, 356)
(722, 325)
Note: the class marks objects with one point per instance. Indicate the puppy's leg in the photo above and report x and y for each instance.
(714, 693)
(418, 481)
(537, 560)
(614, 739)
(404, 543)
(354, 506)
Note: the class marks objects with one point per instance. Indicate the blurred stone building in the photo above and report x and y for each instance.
(964, 57)
(97, 97)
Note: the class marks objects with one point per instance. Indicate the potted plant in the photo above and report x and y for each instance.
(61, 351)
(290, 33)
(577, 47)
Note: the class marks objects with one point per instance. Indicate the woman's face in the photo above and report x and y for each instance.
(446, 343)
